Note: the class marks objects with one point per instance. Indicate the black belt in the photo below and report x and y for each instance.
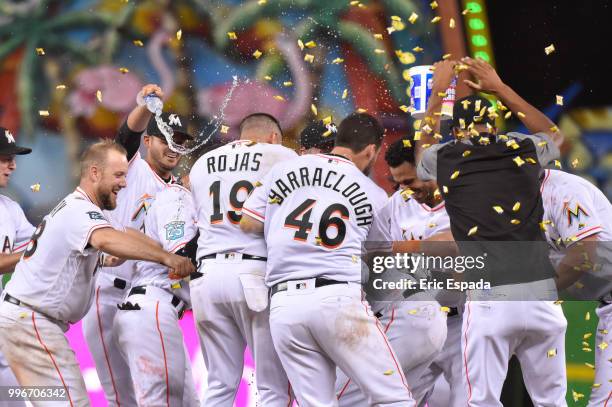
(12, 300)
(142, 289)
(319, 282)
(195, 275)
(452, 311)
(228, 255)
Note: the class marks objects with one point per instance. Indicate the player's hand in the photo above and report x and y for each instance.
(152, 88)
(112, 261)
(443, 75)
(179, 266)
(486, 79)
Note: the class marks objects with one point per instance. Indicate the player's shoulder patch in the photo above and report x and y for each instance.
(95, 215)
(175, 230)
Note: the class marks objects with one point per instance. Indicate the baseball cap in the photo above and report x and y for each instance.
(317, 134)
(8, 146)
(472, 109)
(176, 122)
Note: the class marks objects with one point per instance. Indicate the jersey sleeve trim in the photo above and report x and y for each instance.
(178, 247)
(589, 232)
(21, 246)
(254, 214)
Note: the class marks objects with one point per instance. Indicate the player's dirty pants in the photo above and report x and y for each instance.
(226, 326)
(113, 370)
(602, 395)
(316, 329)
(7, 378)
(449, 363)
(416, 331)
(532, 330)
(151, 341)
(39, 354)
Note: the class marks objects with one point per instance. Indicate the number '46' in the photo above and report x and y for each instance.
(333, 216)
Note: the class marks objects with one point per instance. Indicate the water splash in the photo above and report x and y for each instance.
(201, 139)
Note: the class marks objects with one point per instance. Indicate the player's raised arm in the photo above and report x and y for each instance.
(488, 81)
(136, 122)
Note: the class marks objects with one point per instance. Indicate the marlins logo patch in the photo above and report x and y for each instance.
(175, 230)
(95, 215)
(574, 213)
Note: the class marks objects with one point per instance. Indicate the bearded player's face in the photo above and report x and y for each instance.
(112, 180)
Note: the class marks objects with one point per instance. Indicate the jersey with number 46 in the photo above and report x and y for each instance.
(317, 212)
(55, 275)
(221, 180)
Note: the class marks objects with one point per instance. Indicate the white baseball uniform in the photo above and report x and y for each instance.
(52, 287)
(158, 346)
(113, 284)
(576, 209)
(317, 212)
(15, 233)
(230, 301)
(419, 314)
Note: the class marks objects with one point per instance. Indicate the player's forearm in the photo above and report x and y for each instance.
(579, 259)
(8, 262)
(532, 118)
(141, 237)
(441, 244)
(249, 224)
(138, 119)
(125, 246)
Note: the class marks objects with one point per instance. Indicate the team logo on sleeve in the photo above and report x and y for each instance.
(575, 214)
(95, 215)
(175, 230)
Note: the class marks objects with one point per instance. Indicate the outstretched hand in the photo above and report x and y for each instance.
(486, 79)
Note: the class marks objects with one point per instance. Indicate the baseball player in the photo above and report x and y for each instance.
(578, 223)
(53, 283)
(317, 137)
(146, 176)
(155, 304)
(315, 213)
(491, 189)
(416, 214)
(15, 231)
(230, 300)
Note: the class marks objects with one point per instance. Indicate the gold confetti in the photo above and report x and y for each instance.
(398, 25)
(587, 336)
(287, 83)
(309, 58)
(327, 120)
(338, 61)
(558, 164)
(577, 396)
(274, 200)
(313, 109)
(442, 94)
(445, 189)
(327, 133)
(261, 2)
(40, 51)
(379, 51)
(542, 143)
(451, 23)
(515, 221)
(433, 5)
(60, 87)
(124, 70)
(473, 231)
(43, 113)
(406, 143)
(354, 3)
(344, 93)
(138, 43)
(551, 353)
(520, 114)
(596, 385)
(361, 110)
(99, 95)
(405, 58)
(413, 17)
(279, 97)
(518, 161)
(589, 365)
(258, 184)
(512, 144)
(558, 302)
(436, 194)
(554, 129)
(318, 241)
(465, 12)
(530, 160)
(396, 18)
(413, 312)
(587, 317)
(603, 345)
(574, 163)
(354, 258)
(446, 56)
(498, 209)
(35, 187)
(559, 100)
(268, 77)
(516, 206)
(404, 108)
(179, 34)
(483, 140)
(257, 54)
(436, 19)
(300, 44)
(175, 286)
(466, 153)
(407, 193)
(390, 30)
(310, 44)
(23, 315)
(224, 129)
(550, 49)
(378, 36)
(388, 372)
(445, 309)
(417, 49)
(507, 115)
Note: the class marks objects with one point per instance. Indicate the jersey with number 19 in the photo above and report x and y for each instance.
(317, 211)
(221, 180)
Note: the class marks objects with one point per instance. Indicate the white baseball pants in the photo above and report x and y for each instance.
(38, 352)
(113, 371)
(226, 325)
(602, 395)
(534, 331)
(7, 378)
(151, 341)
(316, 329)
(416, 331)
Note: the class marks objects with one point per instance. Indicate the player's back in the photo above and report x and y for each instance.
(320, 210)
(221, 181)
